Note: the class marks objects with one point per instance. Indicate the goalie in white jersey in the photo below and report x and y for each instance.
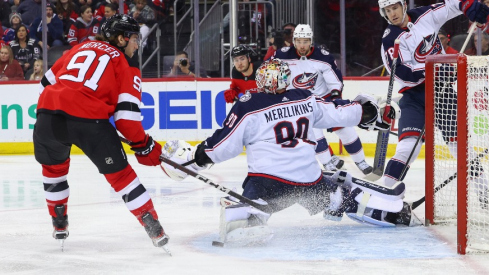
(275, 125)
(314, 69)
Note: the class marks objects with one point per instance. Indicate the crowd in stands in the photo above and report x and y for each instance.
(69, 22)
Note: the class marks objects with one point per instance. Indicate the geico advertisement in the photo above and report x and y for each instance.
(188, 110)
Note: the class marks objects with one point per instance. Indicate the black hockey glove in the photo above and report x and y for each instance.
(335, 94)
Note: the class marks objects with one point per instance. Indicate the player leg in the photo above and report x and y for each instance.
(369, 203)
(323, 154)
(100, 142)
(243, 224)
(52, 151)
(411, 124)
(353, 145)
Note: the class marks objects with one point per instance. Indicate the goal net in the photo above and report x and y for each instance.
(457, 138)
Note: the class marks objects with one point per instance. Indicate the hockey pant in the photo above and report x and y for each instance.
(53, 138)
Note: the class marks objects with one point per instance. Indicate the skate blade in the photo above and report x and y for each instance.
(165, 248)
(62, 243)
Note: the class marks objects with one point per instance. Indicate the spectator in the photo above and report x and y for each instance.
(4, 15)
(110, 10)
(85, 28)
(38, 72)
(29, 10)
(145, 16)
(444, 39)
(25, 49)
(68, 12)
(15, 22)
(484, 45)
(9, 67)
(182, 66)
(99, 13)
(281, 39)
(55, 28)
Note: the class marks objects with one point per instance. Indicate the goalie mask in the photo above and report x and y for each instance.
(272, 75)
(302, 31)
(385, 3)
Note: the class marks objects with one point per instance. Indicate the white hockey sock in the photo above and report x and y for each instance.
(351, 142)
(403, 150)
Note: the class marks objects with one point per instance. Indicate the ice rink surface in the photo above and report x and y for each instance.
(106, 239)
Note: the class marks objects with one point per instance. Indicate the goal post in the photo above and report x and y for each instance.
(457, 126)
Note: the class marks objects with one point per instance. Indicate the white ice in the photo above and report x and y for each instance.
(106, 239)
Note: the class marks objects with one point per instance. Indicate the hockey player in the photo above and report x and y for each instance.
(315, 69)
(243, 74)
(275, 125)
(83, 89)
(417, 30)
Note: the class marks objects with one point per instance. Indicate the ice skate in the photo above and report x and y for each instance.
(330, 166)
(60, 224)
(155, 232)
(364, 167)
(338, 163)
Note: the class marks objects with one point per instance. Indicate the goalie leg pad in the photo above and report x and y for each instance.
(243, 224)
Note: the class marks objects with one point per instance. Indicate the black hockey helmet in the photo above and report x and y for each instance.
(120, 24)
(240, 50)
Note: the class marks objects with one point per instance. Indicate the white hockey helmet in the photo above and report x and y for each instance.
(302, 31)
(385, 3)
(272, 75)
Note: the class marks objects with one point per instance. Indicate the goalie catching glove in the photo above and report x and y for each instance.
(182, 153)
(147, 152)
(371, 117)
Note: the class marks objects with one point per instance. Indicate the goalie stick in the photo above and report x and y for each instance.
(383, 136)
(396, 191)
(417, 203)
(226, 190)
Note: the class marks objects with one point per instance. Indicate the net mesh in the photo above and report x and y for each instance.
(445, 165)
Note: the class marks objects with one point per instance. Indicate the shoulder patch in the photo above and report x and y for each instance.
(386, 32)
(285, 49)
(245, 97)
(325, 52)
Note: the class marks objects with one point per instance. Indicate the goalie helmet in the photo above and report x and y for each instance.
(120, 24)
(272, 75)
(302, 31)
(385, 3)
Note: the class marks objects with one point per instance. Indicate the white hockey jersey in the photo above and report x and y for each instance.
(276, 130)
(316, 72)
(418, 41)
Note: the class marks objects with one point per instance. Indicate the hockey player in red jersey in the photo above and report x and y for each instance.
(243, 74)
(83, 89)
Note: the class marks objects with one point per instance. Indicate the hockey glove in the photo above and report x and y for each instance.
(474, 10)
(388, 113)
(371, 119)
(230, 95)
(147, 152)
(335, 94)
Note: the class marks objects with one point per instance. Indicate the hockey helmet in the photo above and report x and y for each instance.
(120, 24)
(303, 31)
(385, 3)
(240, 50)
(272, 75)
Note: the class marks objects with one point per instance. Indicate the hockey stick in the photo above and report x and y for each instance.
(226, 190)
(417, 203)
(194, 174)
(383, 136)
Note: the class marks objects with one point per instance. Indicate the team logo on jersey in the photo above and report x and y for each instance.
(285, 49)
(325, 52)
(109, 160)
(430, 45)
(305, 81)
(386, 33)
(245, 97)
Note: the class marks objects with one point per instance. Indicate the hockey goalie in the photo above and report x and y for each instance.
(275, 125)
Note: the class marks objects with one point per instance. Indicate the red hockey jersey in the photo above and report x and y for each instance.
(242, 83)
(94, 81)
(80, 31)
